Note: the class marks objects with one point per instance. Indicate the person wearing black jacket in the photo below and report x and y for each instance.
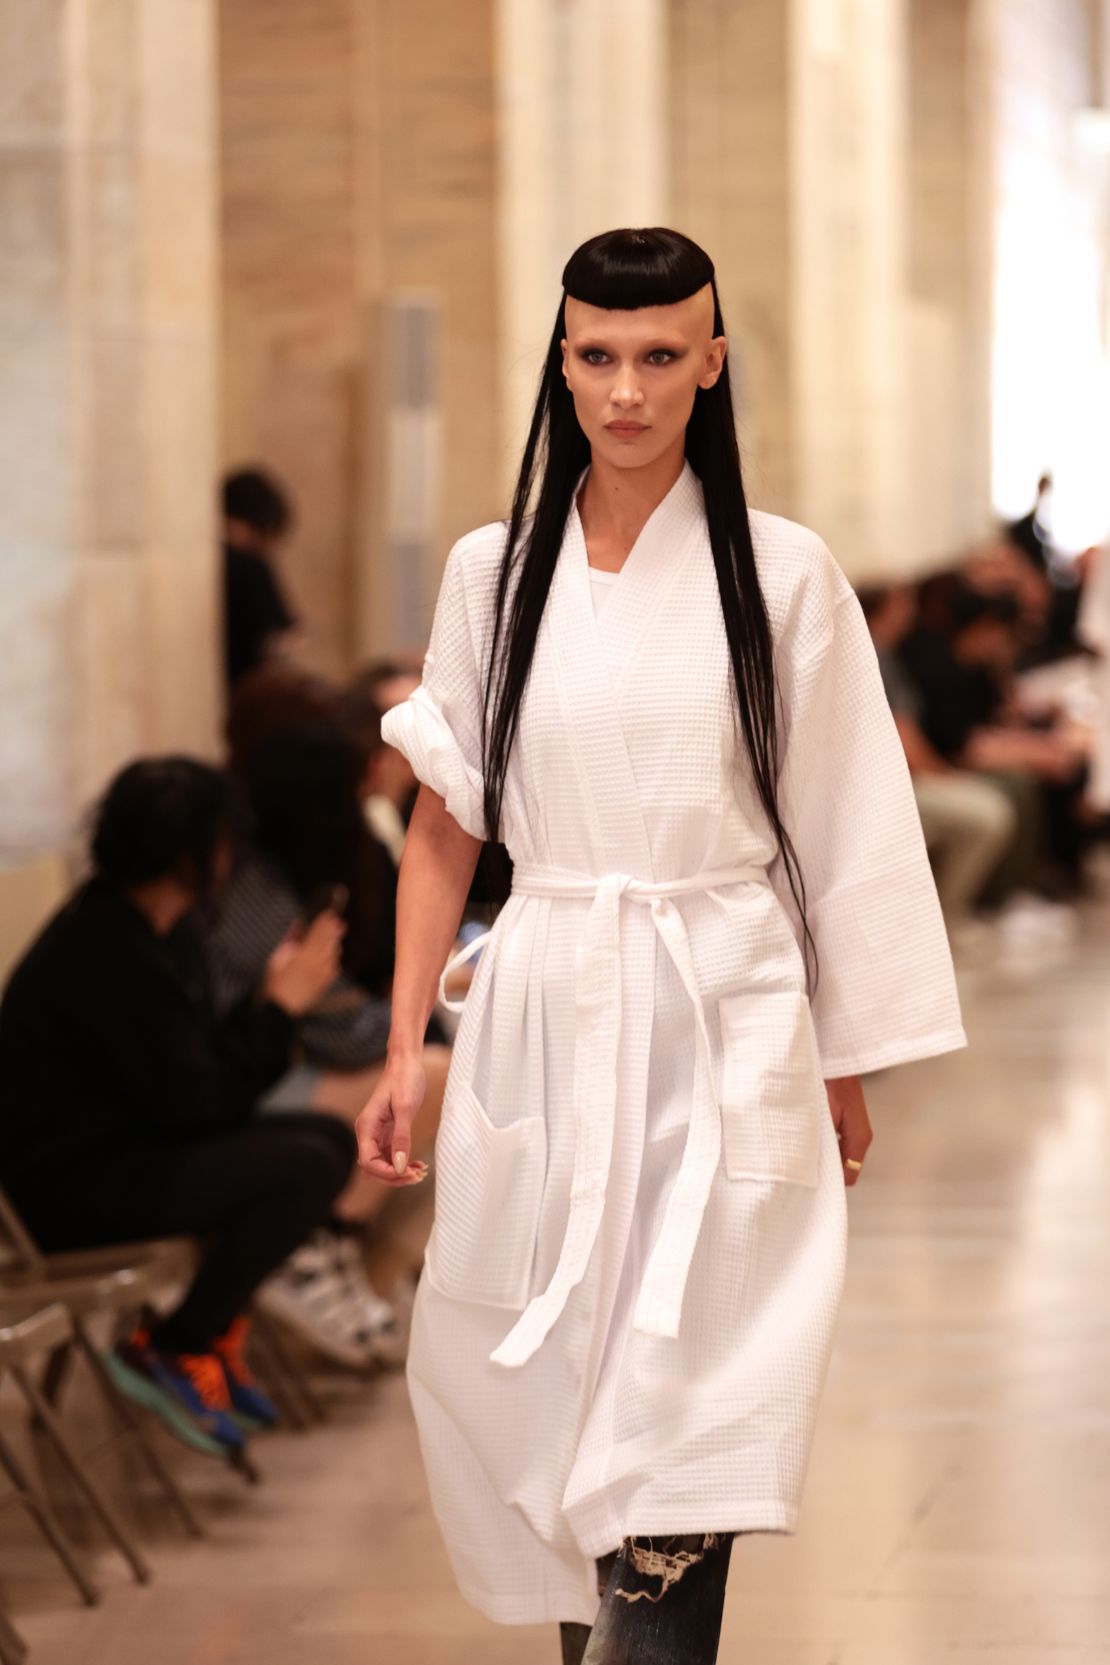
(127, 1110)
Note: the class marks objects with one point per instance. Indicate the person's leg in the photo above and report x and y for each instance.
(1017, 869)
(662, 1605)
(983, 825)
(936, 824)
(251, 1197)
(254, 1196)
(1065, 834)
(573, 1639)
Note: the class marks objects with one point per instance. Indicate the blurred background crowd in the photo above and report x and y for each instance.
(275, 279)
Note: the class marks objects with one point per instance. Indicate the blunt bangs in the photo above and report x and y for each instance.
(628, 269)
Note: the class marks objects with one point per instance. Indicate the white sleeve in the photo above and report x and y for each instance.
(886, 991)
(439, 726)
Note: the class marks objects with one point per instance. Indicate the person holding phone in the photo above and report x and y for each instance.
(311, 855)
(129, 1107)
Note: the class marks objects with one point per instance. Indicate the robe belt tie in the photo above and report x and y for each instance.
(597, 994)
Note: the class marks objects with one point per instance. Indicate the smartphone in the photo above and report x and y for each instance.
(326, 898)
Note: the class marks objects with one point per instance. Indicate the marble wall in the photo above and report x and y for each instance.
(107, 403)
(214, 220)
(1050, 279)
(357, 168)
(583, 146)
(729, 108)
(823, 150)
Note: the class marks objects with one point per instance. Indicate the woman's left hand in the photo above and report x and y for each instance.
(852, 1123)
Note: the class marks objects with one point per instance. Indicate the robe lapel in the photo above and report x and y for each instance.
(648, 574)
(592, 655)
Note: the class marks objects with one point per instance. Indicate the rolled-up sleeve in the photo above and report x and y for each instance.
(886, 993)
(439, 727)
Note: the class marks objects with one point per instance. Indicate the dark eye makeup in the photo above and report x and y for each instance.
(658, 356)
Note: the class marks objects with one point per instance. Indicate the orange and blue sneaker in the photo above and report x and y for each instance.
(188, 1391)
(251, 1408)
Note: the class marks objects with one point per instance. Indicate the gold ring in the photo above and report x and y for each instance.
(850, 1162)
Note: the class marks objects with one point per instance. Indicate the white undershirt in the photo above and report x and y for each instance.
(600, 585)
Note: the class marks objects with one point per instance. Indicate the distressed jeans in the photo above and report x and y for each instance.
(662, 1601)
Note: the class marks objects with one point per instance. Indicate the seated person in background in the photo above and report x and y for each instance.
(1030, 533)
(960, 657)
(389, 786)
(270, 698)
(258, 621)
(1031, 539)
(967, 821)
(127, 1108)
(998, 569)
(312, 851)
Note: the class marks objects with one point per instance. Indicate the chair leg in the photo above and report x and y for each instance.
(13, 1649)
(46, 1521)
(296, 1379)
(283, 1393)
(93, 1495)
(132, 1423)
(56, 1374)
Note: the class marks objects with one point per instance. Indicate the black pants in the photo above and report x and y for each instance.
(251, 1196)
(662, 1602)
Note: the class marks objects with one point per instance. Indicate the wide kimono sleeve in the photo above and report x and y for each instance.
(886, 991)
(438, 727)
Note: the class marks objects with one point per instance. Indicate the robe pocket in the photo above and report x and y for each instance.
(489, 1190)
(772, 1093)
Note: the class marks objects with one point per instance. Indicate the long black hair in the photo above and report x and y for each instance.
(304, 783)
(623, 271)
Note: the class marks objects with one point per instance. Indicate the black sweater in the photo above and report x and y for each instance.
(109, 1041)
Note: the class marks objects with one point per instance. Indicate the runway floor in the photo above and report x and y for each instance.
(958, 1506)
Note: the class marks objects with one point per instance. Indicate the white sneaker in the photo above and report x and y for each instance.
(311, 1295)
(1027, 920)
(385, 1330)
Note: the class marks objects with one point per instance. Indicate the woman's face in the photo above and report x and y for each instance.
(634, 375)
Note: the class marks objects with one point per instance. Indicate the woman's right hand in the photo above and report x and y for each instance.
(304, 967)
(384, 1127)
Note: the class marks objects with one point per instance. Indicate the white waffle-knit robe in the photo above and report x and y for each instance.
(627, 763)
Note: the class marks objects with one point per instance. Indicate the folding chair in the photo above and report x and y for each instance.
(157, 1262)
(22, 1341)
(116, 1282)
(13, 1649)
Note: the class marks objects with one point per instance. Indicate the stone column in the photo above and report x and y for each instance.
(803, 135)
(731, 191)
(107, 296)
(851, 391)
(1047, 224)
(582, 93)
(358, 167)
(948, 252)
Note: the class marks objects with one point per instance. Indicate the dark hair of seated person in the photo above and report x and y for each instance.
(304, 784)
(968, 607)
(163, 814)
(267, 701)
(254, 497)
(360, 713)
(359, 710)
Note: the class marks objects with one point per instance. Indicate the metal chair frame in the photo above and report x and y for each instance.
(116, 1282)
(21, 1339)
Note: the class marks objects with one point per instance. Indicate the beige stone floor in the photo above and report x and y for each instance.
(958, 1506)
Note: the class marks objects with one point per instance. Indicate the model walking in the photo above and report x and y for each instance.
(722, 913)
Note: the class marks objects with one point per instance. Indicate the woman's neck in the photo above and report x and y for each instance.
(616, 503)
